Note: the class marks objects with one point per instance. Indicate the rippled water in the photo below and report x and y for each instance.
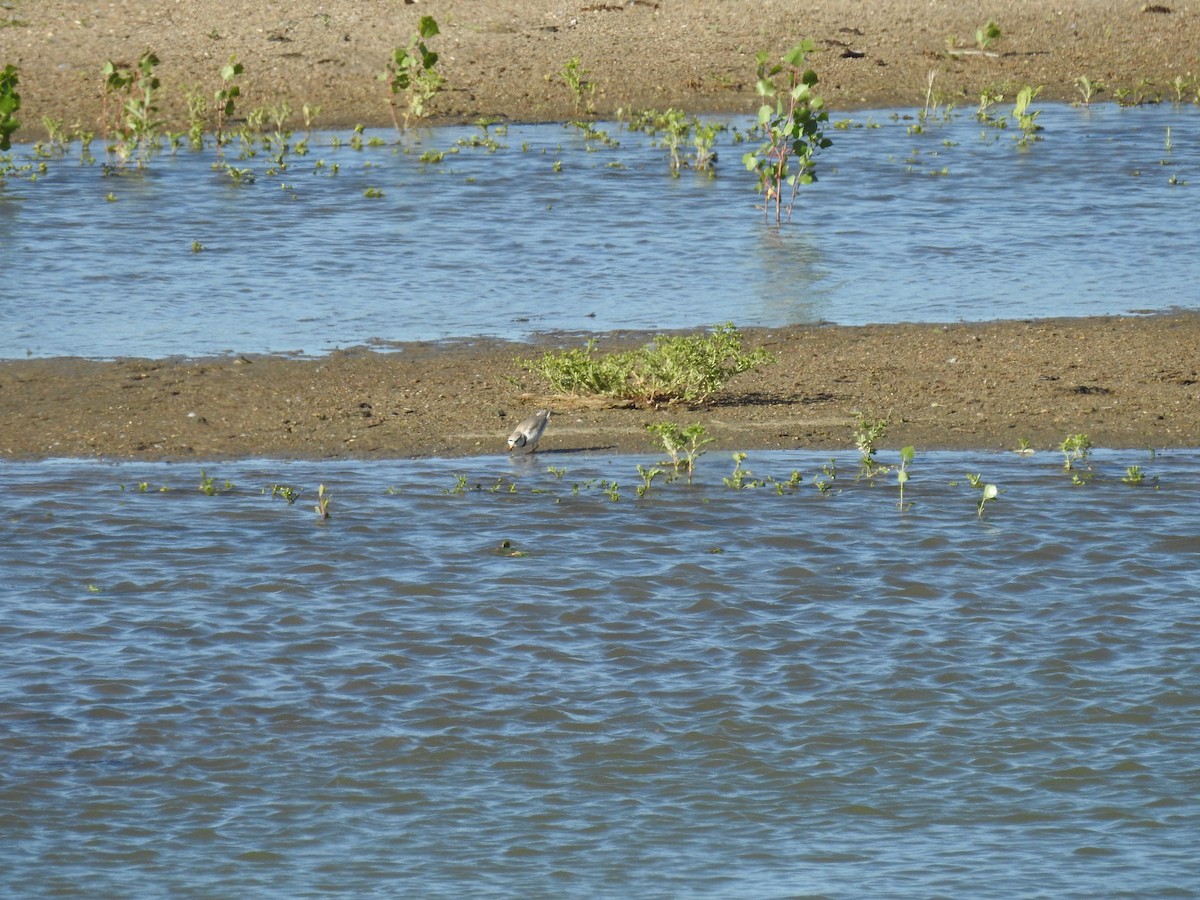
(1084, 222)
(531, 689)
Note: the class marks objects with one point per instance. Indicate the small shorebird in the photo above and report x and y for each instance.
(528, 433)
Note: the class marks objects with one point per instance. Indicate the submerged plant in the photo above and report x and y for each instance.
(791, 119)
(412, 72)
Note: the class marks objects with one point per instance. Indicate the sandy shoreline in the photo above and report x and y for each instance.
(1126, 382)
(503, 58)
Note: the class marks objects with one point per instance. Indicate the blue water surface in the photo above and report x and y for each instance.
(556, 232)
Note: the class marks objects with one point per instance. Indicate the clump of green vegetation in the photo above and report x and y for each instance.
(10, 102)
(741, 478)
(673, 129)
(683, 445)
(792, 120)
(412, 72)
(209, 487)
(688, 368)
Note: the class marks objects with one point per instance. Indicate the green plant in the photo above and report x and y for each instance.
(1134, 475)
(867, 436)
(412, 72)
(1088, 89)
(208, 485)
(689, 442)
(986, 35)
(135, 123)
(226, 99)
(10, 102)
(460, 486)
(791, 118)
(1075, 449)
(988, 98)
(686, 368)
(906, 458)
(578, 82)
(740, 478)
(287, 492)
(647, 476)
(988, 492)
(1026, 119)
(322, 507)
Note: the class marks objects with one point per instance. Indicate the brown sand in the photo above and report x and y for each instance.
(1127, 382)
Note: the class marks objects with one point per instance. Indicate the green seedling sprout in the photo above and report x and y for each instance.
(1088, 89)
(1026, 119)
(988, 492)
(791, 119)
(322, 507)
(647, 476)
(412, 72)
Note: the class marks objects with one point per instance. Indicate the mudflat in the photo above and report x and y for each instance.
(1126, 381)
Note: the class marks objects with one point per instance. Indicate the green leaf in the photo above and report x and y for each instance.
(428, 27)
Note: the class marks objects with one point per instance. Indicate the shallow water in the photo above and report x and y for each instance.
(706, 692)
(1084, 222)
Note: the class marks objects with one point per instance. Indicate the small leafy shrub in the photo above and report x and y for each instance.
(689, 368)
(683, 445)
(792, 120)
(1076, 448)
(136, 89)
(412, 72)
(579, 83)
